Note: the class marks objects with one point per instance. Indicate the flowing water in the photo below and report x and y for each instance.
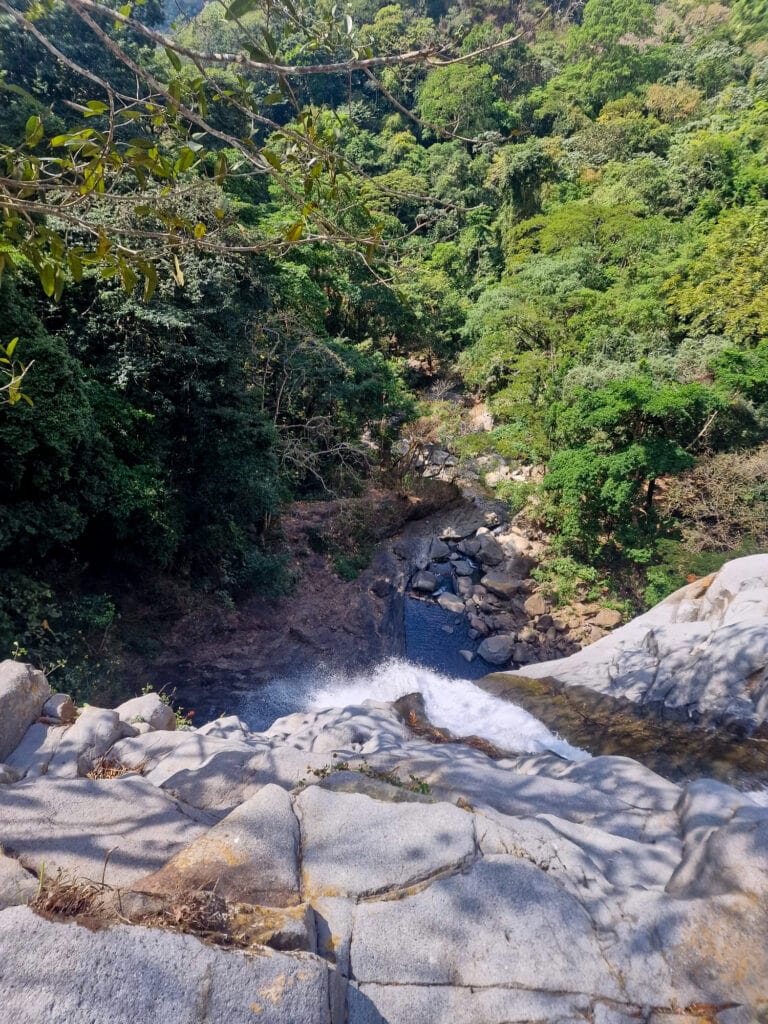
(519, 716)
(451, 703)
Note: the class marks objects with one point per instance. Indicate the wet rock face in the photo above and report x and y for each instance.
(425, 883)
(701, 654)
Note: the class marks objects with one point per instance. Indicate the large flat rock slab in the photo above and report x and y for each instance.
(57, 973)
(251, 856)
(504, 923)
(431, 1004)
(74, 823)
(353, 845)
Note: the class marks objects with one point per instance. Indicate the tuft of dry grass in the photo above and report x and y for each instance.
(97, 905)
(108, 768)
(67, 896)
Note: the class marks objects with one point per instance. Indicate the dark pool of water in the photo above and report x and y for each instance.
(434, 637)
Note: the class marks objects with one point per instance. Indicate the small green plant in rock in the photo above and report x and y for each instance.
(413, 784)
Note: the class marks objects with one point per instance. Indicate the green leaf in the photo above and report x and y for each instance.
(128, 276)
(95, 107)
(75, 266)
(241, 7)
(272, 158)
(34, 130)
(9, 349)
(150, 281)
(178, 273)
(48, 279)
(270, 40)
(173, 57)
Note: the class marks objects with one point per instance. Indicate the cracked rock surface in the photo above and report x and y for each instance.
(376, 878)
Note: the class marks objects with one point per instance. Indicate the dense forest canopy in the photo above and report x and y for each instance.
(574, 224)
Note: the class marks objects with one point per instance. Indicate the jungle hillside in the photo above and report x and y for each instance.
(243, 292)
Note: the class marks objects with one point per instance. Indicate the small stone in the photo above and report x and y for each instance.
(60, 706)
(467, 655)
(491, 552)
(440, 568)
(447, 629)
(479, 625)
(463, 568)
(381, 587)
(535, 606)
(500, 582)
(451, 603)
(607, 618)
(497, 650)
(523, 654)
(469, 547)
(438, 550)
(150, 708)
(424, 581)
(544, 623)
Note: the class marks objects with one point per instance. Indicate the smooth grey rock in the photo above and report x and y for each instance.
(428, 1004)
(73, 824)
(438, 550)
(490, 552)
(730, 859)
(36, 750)
(23, 692)
(462, 568)
(356, 846)
(579, 854)
(68, 974)
(451, 603)
(225, 727)
(497, 650)
(701, 652)
(8, 775)
(60, 706)
(17, 886)
(504, 923)
(250, 856)
(148, 748)
(500, 582)
(424, 581)
(149, 708)
(94, 732)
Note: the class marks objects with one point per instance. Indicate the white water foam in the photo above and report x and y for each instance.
(454, 704)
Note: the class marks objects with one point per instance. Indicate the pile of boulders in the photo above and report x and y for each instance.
(33, 742)
(483, 572)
